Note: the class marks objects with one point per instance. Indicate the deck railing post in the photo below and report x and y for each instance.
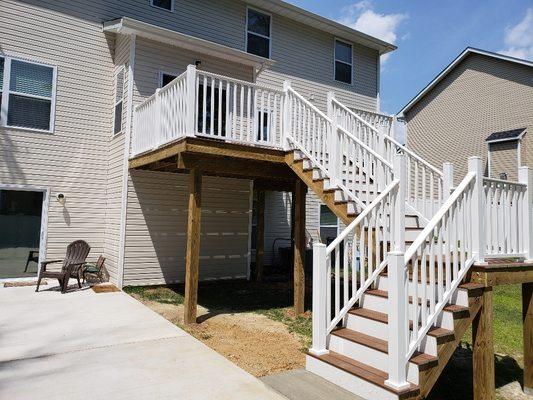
(478, 210)
(190, 104)
(525, 175)
(333, 142)
(286, 118)
(447, 179)
(159, 118)
(398, 284)
(320, 282)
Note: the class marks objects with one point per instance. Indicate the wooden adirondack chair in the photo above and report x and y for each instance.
(73, 262)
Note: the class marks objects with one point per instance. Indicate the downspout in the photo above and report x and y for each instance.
(125, 169)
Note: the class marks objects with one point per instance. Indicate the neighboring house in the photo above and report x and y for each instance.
(71, 73)
(482, 105)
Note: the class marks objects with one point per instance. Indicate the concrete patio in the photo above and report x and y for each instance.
(84, 345)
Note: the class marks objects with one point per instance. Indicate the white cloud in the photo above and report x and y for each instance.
(519, 38)
(362, 17)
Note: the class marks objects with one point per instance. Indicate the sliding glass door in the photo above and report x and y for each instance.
(20, 232)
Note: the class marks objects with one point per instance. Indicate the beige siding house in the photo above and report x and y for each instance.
(81, 68)
(481, 104)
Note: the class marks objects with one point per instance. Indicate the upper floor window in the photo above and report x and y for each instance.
(258, 33)
(165, 79)
(343, 62)
(27, 92)
(119, 101)
(164, 4)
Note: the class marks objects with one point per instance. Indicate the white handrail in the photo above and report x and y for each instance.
(309, 104)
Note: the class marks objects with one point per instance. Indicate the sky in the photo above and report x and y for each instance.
(430, 34)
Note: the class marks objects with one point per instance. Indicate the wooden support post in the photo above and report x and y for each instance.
(483, 350)
(527, 318)
(260, 245)
(298, 200)
(193, 246)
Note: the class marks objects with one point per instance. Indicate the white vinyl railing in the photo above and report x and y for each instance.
(504, 213)
(199, 103)
(425, 185)
(346, 268)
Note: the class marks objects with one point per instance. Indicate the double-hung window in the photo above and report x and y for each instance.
(343, 62)
(258, 30)
(329, 225)
(27, 92)
(119, 101)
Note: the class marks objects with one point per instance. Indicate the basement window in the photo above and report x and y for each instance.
(27, 94)
(329, 225)
(258, 27)
(343, 62)
(163, 4)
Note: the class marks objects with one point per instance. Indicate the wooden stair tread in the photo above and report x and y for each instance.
(365, 372)
(457, 310)
(420, 359)
(443, 335)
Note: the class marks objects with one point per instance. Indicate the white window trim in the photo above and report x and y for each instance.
(6, 92)
(246, 31)
(44, 222)
(335, 40)
(172, 4)
(115, 103)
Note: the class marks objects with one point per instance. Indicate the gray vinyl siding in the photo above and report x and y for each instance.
(480, 96)
(73, 159)
(156, 231)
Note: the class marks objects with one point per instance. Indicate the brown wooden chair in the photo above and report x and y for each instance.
(94, 269)
(73, 262)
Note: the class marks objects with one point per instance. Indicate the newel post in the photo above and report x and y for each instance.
(320, 283)
(478, 209)
(447, 180)
(525, 176)
(286, 118)
(190, 104)
(398, 284)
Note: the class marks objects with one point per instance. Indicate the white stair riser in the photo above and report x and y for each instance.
(380, 330)
(318, 174)
(378, 303)
(460, 297)
(347, 381)
(411, 235)
(412, 222)
(368, 356)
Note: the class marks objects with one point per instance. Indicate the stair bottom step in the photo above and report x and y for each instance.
(357, 377)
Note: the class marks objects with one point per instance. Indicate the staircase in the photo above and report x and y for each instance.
(390, 298)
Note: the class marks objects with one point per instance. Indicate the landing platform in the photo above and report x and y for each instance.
(501, 271)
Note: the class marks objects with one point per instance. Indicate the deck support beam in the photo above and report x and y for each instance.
(527, 319)
(193, 246)
(298, 202)
(483, 350)
(260, 245)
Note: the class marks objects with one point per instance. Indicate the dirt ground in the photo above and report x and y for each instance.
(254, 342)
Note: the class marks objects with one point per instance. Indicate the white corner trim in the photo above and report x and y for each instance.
(127, 143)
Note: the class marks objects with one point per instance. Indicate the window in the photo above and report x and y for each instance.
(27, 92)
(119, 101)
(164, 4)
(329, 225)
(258, 33)
(343, 62)
(166, 79)
(263, 125)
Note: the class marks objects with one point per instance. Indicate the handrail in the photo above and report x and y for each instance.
(421, 238)
(361, 216)
(389, 138)
(366, 147)
(309, 104)
(503, 181)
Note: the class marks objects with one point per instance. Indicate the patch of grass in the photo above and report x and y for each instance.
(508, 338)
(301, 324)
(161, 294)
